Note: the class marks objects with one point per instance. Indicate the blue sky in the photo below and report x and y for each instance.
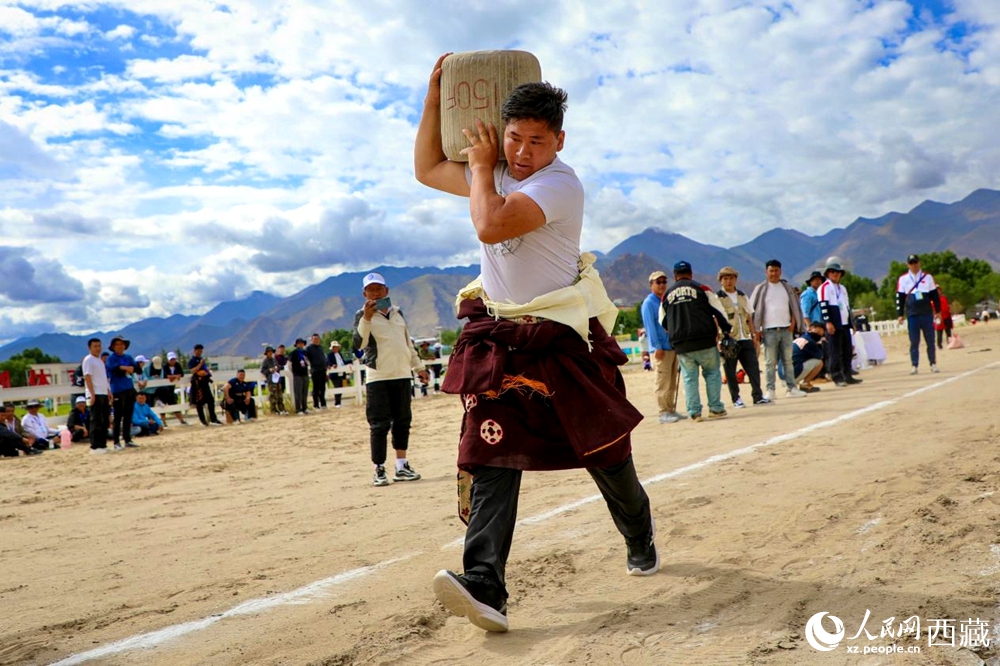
(158, 157)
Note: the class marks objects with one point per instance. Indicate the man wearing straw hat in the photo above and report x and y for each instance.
(535, 367)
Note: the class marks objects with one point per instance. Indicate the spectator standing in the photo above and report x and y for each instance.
(95, 377)
(809, 299)
(239, 398)
(942, 320)
(317, 371)
(528, 216)
(917, 295)
(336, 366)
(121, 367)
(429, 356)
(663, 357)
(300, 377)
(381, 331)
(776, 318)
(740, 315)
(144, 419)
(202, 393)
(807, 356)
(78, 421)
(693, 323)
(35, 424)
(835, 304)
(282, 359)
(269, 369)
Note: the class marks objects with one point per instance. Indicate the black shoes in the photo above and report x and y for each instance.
(643, 560)
(853, 380)
(472, 597)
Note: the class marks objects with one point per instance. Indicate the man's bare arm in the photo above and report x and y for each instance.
(430, 165)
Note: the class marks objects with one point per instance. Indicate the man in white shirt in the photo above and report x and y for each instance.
(35, 424)
(777, 316)
(379, 329)
(95, 377)
(539, 394)
(336, 366)
(835, 305)
(918, 296)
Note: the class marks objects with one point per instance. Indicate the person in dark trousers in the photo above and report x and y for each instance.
(335, 365)
(95, 379)
(807, 356)
(917, 295)
(317, 371)
(281, 358)
(239, 398)
(737, 308)
(78, 421)
(202, 393)
(12, 442)
(121, 367)
(835, 306)
(300, 376)
(693, 323)
(943, 322)
(381, 331)
(539, 394)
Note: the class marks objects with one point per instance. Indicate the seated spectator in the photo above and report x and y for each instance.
(9, 419)
(11, 443)
(35, 424)
(144, 418)
(78, 421)
(807, 356)
(239, 398)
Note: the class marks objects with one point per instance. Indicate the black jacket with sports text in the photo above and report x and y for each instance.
(690, 318)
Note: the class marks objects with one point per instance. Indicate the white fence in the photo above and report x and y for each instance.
(53, 395)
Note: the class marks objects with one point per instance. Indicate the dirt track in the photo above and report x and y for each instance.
(892, 510)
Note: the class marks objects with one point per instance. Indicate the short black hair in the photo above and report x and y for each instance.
(92, 341)
(199, 346)
(772, 262)
(536, 101)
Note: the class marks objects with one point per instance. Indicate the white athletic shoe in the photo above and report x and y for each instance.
(913, 370)
(795, 393)
(770, 395)
(934, 368)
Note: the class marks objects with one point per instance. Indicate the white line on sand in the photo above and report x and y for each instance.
(301, 595)
(722, 457)
(306, 593)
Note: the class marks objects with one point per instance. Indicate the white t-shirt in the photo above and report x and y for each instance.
(776, 308)
(523, 268)
(98, 372)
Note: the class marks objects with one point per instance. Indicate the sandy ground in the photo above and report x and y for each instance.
(892, 510)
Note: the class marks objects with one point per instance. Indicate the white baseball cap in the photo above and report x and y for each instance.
(141, 359)
(81, 399)
(171, 356)
(373, 278)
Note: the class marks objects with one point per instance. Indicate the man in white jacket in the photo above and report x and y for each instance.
(391, 358)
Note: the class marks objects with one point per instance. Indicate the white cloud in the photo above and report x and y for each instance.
(121, 32)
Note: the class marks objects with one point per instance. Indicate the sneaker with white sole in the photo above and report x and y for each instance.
(739, 403)
(380, 479)
(100, 451)
(466, 596)
(679, 415)
(406, 474)
(934, 368)
(643, 560)
(764, 400)
(795, 393)
(770, 395)
(667, 417)
(119, 447)
(913, 370)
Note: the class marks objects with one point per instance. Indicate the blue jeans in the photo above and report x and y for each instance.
(708, 360)
(917, 324)
(778, 341)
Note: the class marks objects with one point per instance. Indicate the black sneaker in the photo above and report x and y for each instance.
(853, 380)
(131, 445)
(380, 478)
(477, 600)
(643, 560)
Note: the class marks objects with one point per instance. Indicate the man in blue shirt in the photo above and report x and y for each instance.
(664, 357)
(809, 300)
(121, 367)
(145, 419)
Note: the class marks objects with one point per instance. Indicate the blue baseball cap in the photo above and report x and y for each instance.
(682, 267)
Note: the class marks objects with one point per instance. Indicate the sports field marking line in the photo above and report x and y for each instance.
(722, 457)
(302, 595)
(308, 592)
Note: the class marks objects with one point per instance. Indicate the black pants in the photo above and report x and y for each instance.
(841, 352)
(300, 392)
(748, 359)
(77, 436)
(388, 409)
(319, 389)
(944, 333)
(100, 414)
(337, 380)
(248, 407)
(207, 404)
(124, 405)
(494, 513)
